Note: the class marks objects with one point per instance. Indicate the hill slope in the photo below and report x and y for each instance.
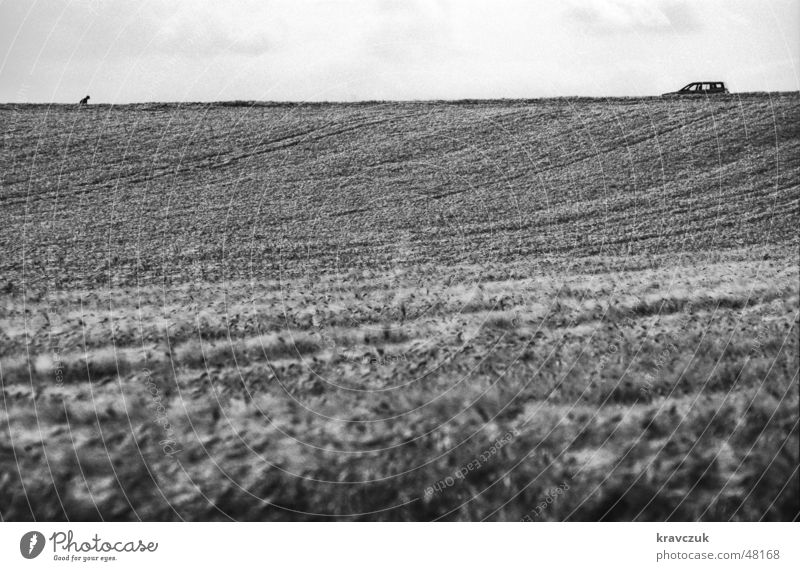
(537, 310)
(151, 190)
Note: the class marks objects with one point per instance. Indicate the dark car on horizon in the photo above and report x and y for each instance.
(700, 88)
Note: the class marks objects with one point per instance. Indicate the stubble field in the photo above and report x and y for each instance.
(540, 310)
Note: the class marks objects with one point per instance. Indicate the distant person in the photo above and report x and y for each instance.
(84, 101)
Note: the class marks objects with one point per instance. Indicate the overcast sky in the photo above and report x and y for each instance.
(204, 50)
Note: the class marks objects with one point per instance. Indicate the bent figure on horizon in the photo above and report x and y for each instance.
(84, 101)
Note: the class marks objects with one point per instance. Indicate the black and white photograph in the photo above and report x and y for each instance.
(383, 261)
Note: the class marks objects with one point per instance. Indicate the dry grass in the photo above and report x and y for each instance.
(342, 311)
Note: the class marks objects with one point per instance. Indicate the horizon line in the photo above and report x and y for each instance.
(464, 100)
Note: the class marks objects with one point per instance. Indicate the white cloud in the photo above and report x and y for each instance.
(616, 16)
